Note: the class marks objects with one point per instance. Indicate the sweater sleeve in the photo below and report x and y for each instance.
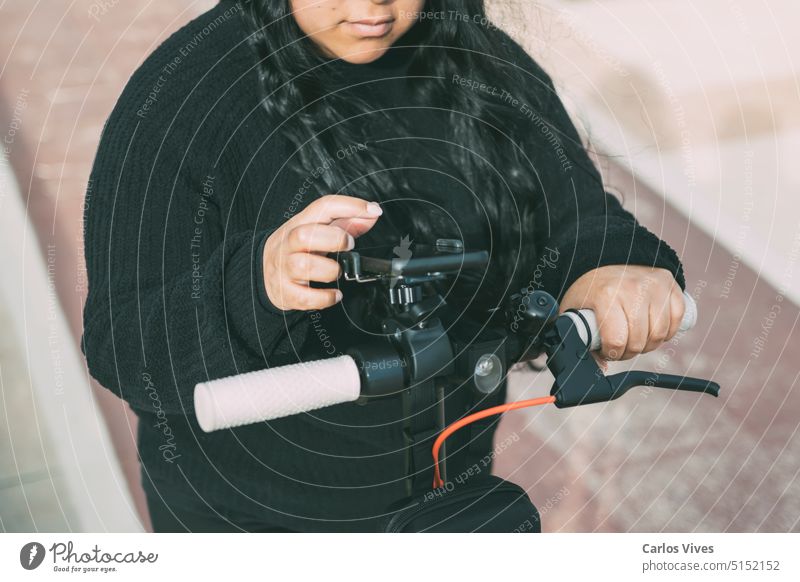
(579, 225)
(176, 295)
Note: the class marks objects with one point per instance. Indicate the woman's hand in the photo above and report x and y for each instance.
(295, 253)
(637, 307)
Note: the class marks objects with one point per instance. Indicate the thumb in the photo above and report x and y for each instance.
(328, 208)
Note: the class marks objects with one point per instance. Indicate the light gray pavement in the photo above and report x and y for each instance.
(32, 496)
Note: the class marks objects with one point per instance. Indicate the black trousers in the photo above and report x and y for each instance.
(201, 501)
(170, 513)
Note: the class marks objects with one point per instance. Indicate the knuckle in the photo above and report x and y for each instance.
(633, 283)
(304, 302)
(279, 268)
(608, 292)
(616, 342)
(638, 292)
(335, 272)
(327, 199)
(327, 275)
(649, 347)
(297, 264)
(660, 329)
(637, 345)
(299, 236)
(331, 298)
(659, 335)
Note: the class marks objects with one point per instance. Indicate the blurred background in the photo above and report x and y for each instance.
(694, 108)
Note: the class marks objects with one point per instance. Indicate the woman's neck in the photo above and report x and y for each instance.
(394, 62)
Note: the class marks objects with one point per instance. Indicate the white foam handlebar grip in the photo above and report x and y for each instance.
(687, 323)
(275, 392)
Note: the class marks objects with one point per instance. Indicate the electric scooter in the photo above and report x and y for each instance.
(426, 348)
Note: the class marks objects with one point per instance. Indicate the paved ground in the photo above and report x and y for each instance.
(653, 461)
(678, 461)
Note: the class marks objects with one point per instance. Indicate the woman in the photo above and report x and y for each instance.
(264, 135)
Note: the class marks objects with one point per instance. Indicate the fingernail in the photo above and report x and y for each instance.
(374, 209)
(351, 242)
(338, 295)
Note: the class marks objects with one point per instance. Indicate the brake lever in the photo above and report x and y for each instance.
(579, 380)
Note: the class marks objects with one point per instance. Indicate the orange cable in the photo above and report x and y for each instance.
(437, 480)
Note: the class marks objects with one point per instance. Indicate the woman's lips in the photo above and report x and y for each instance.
(367, 29)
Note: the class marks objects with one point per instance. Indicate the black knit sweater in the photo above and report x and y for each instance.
(188, 181)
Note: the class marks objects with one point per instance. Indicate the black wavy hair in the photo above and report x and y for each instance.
(497, 165)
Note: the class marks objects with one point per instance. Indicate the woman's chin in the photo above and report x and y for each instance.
(364, 53)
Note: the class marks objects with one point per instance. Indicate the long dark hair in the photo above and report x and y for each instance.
(496, 165)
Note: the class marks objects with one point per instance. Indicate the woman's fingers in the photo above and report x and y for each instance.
(296, 253)
(677, 308)
(637, 314)
(355, 226)
(612, 325)
(305, 267)
(651, 325)
(660, 322)
(307, 298)
(307, 238)
(637, 307)
(328, 208)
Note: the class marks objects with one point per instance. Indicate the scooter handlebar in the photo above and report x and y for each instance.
(275, 392)
(287, 390)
